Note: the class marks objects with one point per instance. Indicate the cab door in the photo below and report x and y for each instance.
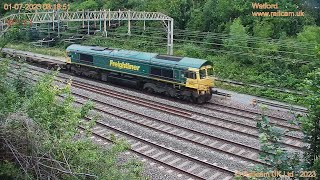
(176, 75)
(75, 57)
(192, 80)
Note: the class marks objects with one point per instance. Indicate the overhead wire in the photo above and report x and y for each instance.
(249, 39)
(222, 51)
(204, 34)
(220, 44)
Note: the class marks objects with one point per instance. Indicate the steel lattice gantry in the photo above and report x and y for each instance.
(83, 16)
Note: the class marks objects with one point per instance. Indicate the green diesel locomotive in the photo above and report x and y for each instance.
(180, 77)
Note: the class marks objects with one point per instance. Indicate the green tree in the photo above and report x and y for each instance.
(311, 123)
(271, 136)
(55, 148)
(238, 37)
(180, 10)
(310, 34)
(11, 34)
(271, 150)
(88, 5)
(263, 29)
(218, 13)
(196, 20)
(237, 41)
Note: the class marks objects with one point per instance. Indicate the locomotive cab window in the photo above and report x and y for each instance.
(86, 58)
(210, 72)
(189, 74)
(203, 73)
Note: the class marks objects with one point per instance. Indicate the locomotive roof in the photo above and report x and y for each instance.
(153, 58)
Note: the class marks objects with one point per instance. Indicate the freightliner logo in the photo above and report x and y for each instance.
(122, 65)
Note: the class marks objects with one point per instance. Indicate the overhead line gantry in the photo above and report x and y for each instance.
(102, 16)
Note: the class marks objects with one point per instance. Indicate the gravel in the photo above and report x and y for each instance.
(168, 141)
(203, 153)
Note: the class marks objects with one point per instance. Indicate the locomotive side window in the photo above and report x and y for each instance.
(155, 71)
(86, 58)
(167, 73)
(191, 75)
(186, 74)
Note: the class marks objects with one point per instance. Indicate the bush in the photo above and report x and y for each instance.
(40, 131)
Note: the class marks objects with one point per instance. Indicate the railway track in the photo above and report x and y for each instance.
(161, 153)
(181, 162)
(183, 136)
(301, 110)
(247, 130)
(184, 133)
(259, 86)
(186, 116)
(213, 105)
(221, 93)
(215, 143)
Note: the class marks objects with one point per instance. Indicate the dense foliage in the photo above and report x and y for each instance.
(311, 123)
(270, 137)
(40, 134)
(273, 153)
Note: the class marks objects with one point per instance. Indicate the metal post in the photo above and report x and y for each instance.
(109, 18)
(170, 37)
(53, 20)
(105, 23)
(58, 23)
(88, 22)
(119, 17)
(100, 20)
(94, 20)
(82, 18)
(144, 20)
(171, 47)
(67, 20)
(129, 24)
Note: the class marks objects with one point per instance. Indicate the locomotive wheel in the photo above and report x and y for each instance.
(149, 90)
(78, 73)
(187, 98)
(166, 93)
(200, 100)
(208, 98)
